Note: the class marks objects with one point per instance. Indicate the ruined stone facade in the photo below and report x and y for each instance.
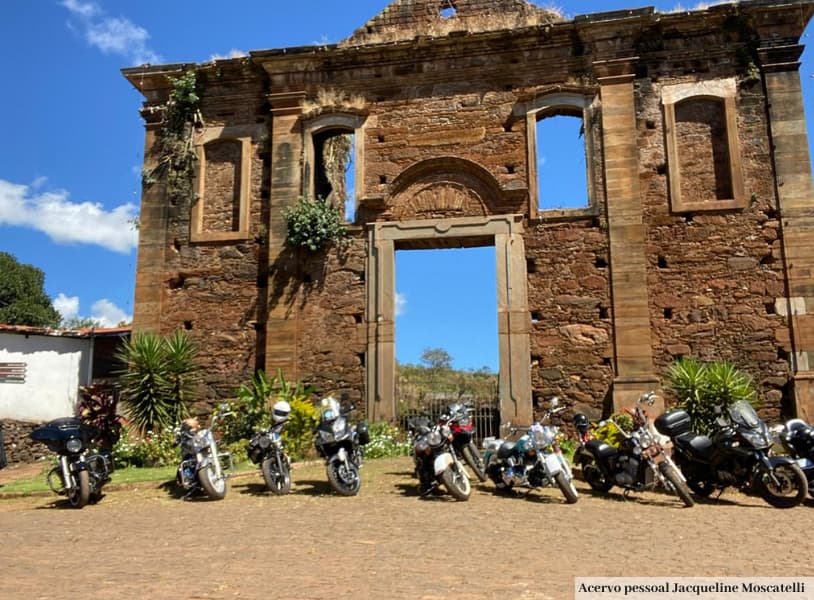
(696, 239)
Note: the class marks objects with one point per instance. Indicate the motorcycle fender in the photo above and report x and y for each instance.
(552, 464)
(442, 461)
(783, 460)
(342, 454)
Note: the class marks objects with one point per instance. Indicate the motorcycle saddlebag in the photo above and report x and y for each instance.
(363, 432)
(673, 423)
(254, 450)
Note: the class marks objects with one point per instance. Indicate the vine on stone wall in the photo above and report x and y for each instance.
(175, 150)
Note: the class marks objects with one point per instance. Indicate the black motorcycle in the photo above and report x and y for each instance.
(459, 417)
(435, 460)
(340, 444)
(82, 471)
(736, 455)
(797, 437)
(639, 462)
(266, 449)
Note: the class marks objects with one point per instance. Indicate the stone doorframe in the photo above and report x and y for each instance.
(506, 233)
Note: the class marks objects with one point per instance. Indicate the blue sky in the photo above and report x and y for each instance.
(71, 155)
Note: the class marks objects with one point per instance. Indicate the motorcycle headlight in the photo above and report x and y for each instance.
(338, 425)
(73, 445)
(434, 438)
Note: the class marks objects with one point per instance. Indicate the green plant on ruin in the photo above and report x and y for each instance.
(175, 156)
(703, 388)
(314, 225)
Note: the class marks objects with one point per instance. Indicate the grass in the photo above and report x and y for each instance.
(124, 476)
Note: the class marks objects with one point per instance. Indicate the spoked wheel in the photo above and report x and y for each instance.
(679, 487)
(790, 489)
(566, 485)
(344, 477)
(79, 494)
(474, 460)
(214, 486)
(457, 482)
(277, 475)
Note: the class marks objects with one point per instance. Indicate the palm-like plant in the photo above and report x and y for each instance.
(703, 388)
(157, 378)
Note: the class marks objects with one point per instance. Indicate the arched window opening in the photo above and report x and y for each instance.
(562, 174)
(334, 158)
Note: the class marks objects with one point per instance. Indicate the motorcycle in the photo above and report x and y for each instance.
(638, 463)
(81, 472)
(797, 437)
(535, 460)
(736, 455)
(266, 449)
(202, 467)
(341, 445)
(435, 460)
(458, 415)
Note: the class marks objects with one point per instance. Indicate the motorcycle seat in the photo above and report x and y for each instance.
(698, 445)
(506, 450)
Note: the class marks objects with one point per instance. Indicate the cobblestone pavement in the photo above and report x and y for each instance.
(144, 542)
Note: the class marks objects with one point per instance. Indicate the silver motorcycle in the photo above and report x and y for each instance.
(202, 466)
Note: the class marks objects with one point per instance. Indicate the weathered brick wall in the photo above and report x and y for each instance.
(19, 447)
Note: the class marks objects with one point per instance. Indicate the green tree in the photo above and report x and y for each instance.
(80, 323)
(158, 380)
(23, 300)
(436, 359)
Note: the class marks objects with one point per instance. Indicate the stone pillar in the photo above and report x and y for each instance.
(380, 384)
(631, 316)
(514, 385)
(795, 197)
(152, 244)
(281, 330)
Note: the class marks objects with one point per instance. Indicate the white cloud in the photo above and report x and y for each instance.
(104, 312)
(401, 304)
(68, 307)
(233, 53)
(112, 35)
(66, 222)
(108, 314)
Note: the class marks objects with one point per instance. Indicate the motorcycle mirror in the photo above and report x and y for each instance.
(554, 402)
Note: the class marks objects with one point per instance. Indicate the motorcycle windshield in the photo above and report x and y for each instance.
(742, 413)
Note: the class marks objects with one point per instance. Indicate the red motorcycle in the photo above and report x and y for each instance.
(458, 415)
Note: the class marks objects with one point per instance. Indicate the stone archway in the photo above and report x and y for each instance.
(505, 232)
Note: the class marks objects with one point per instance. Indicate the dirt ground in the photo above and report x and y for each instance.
(143, 542)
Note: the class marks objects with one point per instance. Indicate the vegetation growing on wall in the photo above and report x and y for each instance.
(314, 225)
(175, 155)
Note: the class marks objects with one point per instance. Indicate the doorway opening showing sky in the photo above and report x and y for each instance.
(447, 299)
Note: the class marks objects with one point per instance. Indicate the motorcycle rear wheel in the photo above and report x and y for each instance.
(278, 479)
(794, 486)
(679, 487)
(595, 477)
(567, 488)
(79, 495)
(344, 480)
(214, 487)
(474, 460)
(457, 482)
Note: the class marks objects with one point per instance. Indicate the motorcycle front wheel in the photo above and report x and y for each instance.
(791, 491)
(79, 494)
(456, 482)
(277, 477)
(566, 486)
(214, 486)
(344, 477)
(474, 460)
(595, 476)
(679, 487)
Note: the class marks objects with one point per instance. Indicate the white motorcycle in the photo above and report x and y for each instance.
(202, 466)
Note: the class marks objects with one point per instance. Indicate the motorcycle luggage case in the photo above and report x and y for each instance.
(673, 423)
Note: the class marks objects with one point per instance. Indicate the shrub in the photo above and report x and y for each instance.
(387, 441)
(151, 450)
(608, 431)
(97, 406)
(314, 225)
(701, 388)
(158, 379)
(298, 433)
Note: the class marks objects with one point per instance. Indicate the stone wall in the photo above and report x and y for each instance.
(19, 447)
